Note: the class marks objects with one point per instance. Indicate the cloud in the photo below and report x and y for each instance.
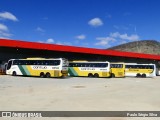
(63, 43)
(116, 37)
(5, 35)
(3, 27)
(4, 31)
(103, 41)
(8, 15)
(81, 37)
(50, 40)
(125, 36)
(39, 29)
(95, 22)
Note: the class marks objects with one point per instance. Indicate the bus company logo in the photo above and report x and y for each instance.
(39, 67)
(6, 114)
(55, 68)
(87, 68)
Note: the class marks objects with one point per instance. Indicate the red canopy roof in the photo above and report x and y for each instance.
(55, 47)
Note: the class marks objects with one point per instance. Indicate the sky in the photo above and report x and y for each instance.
(84, 23)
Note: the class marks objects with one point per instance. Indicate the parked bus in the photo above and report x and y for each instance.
(117, 70)
(54, 67)
(89, 69)
(140, 70)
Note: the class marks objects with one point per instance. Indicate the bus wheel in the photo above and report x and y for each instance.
(90, 75)
(48, 75)
(14, 73)
(138, 75)
(144, 75)
(112, 75)
(42, 75)
(96, 75)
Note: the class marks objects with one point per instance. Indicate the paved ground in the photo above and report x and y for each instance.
(80, 94)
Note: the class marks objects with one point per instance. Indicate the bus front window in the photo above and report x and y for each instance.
(9, 65)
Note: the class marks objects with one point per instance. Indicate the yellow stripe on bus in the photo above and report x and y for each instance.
(85, 73)
(53, 73)
(139, 70)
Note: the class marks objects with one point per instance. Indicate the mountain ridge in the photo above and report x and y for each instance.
(143, 46)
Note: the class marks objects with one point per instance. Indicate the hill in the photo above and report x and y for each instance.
(143, 46)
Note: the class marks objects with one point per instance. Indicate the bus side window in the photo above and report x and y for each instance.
(38, 62)
(15, 62)
(85, 65)
(56, 62)
(42, 62)
(73, 65)
(50, 62)
(121, 66)
(31, 62)
(89, 65)
(27, 62)
(151, 67)
(70, 65)
(127, 66)
(93, 65)
(103, 65)
(111, 66)
(144, 67)
(19, 62)
(96, 65)
(82, 64)
(78, 65)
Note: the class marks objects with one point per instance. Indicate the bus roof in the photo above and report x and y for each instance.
(89, 62)
(39, 59)
(117, 62)
(138, 64)
(34, 58)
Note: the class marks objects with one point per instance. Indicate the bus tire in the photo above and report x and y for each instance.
(143, 75)
(48, 75)
(112, 75)
(14, 73)
(42, 75)
(90, 75)
(96, 75)
(138, 75)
